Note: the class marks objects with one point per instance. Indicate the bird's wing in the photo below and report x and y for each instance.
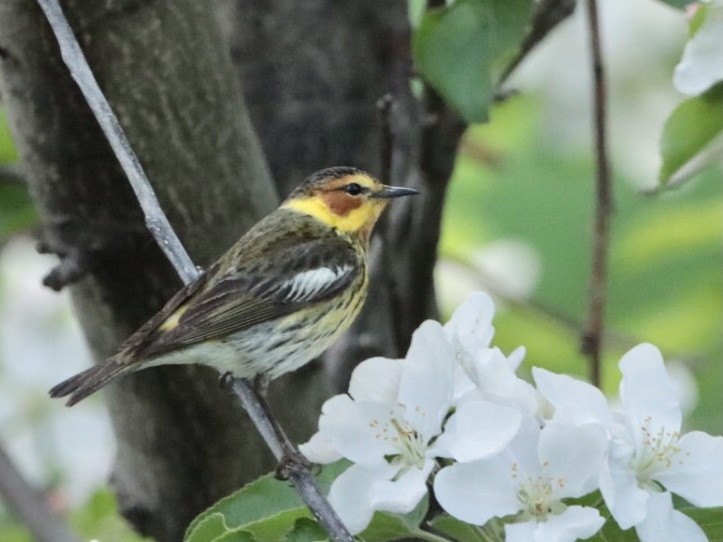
(284, 281)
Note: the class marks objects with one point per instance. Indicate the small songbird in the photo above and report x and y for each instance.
(276, 300)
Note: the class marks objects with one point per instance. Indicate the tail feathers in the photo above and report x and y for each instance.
(89, 381)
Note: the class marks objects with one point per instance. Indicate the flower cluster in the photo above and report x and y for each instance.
(454, 415)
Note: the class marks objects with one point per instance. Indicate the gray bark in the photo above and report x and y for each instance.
(181, 440)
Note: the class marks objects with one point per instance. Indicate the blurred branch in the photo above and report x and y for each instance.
(594, 327)
(29, 506)
(547, 15)
(385, 106)
(11, 175)
(166, 237)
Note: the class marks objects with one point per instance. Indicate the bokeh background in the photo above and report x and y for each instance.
(517, 224)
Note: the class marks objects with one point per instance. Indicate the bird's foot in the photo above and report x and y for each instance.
(292, 462)
(226, 379)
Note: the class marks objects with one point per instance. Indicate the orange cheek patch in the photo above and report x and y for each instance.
(340, 203)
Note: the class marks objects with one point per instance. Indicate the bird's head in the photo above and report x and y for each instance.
(344, 198)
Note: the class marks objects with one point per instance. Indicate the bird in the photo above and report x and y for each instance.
(277, 299)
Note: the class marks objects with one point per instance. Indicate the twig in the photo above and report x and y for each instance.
(548, 14)
(29, 506)
(593, 332)
(169, 242)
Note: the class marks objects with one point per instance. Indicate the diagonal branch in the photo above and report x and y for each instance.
(547, 15)
(169, 242)
(29, 506)
(593, 331)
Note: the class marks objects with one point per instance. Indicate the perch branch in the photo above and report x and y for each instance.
(165, 236)
(594, 327)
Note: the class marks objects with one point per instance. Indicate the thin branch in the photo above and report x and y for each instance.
(594, 327)
(169, 242)
(547, 15)
(29, 506)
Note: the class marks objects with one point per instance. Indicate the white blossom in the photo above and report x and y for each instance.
(530, 479)
(648, 457)
(396, 421)
(702, 63)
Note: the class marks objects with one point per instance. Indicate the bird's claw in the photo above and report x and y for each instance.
(294, 462)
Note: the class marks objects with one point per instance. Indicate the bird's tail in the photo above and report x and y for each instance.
(91, 380)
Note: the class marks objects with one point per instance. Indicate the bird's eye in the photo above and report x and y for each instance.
(353, 189)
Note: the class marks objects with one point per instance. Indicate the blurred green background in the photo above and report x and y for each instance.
(517, 224)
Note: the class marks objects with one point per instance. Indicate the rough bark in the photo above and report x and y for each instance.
(181, 439)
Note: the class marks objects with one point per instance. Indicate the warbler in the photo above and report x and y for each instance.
(275, 300)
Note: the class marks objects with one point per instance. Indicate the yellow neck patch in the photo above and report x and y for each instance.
(358, 220)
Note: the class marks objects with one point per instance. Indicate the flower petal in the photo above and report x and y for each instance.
(702, 63)
(520, 532)
(351, 494)
(376, 379)
(573, 455)
(647, 392)
(476, 430)
(619, 487)
(495, 377)
(402, 494)
(586, 403)
(476, 492)
(696, 471)
(575, 523)
(664, 524)
(320, 449)
(427, 380)
(470, 328)
(357, 428)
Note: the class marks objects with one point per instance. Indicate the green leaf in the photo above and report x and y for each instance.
(236, 536)
(459, 531)
(386, 526)
(611, 532)
(210, 527)
(306, 530)
(266, 508)
(459, 50)
(709, 519)
(697, 20)
(689, 135)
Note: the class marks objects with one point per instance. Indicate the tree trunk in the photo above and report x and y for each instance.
(182, 441)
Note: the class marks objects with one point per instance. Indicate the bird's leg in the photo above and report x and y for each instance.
(261, 384)
(291, 460)
(226, 380)
(294, 461)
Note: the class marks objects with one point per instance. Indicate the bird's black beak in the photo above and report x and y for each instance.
(394, 192)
